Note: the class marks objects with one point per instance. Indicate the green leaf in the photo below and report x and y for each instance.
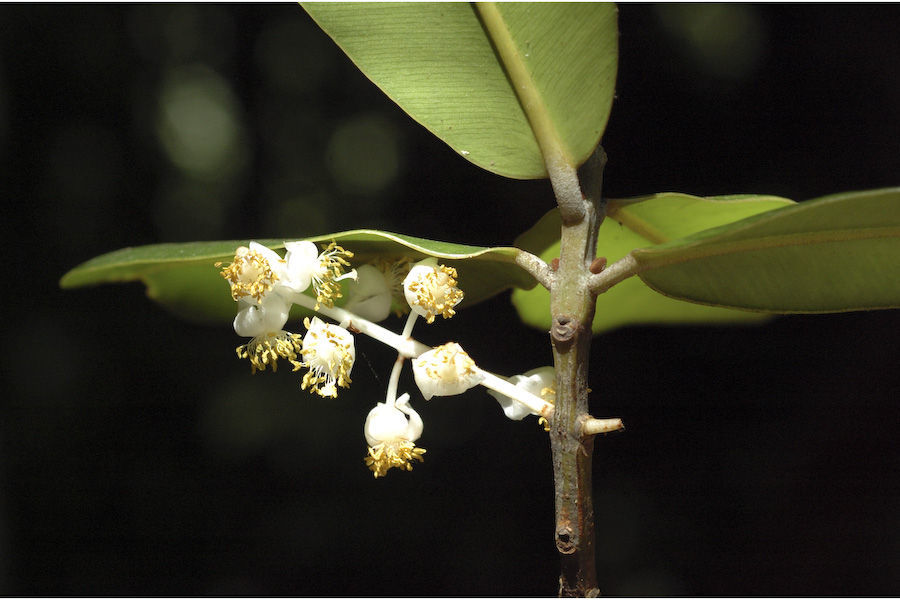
(183, 278)
(834, 254)
(438, 62)
(636, 223)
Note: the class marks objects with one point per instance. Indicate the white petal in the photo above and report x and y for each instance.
(420, 270)
(301, 262)
(258, 319)
(384, 423)
(370, 295)
(267, 253)
(414, 430)
(533, 382)
(445, 371)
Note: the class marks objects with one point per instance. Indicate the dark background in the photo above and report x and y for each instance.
(140, 457)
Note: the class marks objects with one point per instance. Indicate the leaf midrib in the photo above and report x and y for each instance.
(527, 92)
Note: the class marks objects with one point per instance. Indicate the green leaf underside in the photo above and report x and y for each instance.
(834, 254)
(636, 223)
(436, 61)
(183, 278)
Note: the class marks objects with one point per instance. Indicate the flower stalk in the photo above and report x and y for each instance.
(407, 347)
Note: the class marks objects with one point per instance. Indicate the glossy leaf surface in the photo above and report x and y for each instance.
(183, 278)
(636, 223)
(437, 61)
(833, 254)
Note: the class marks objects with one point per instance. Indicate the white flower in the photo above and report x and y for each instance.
(370, 295)
(300, 259)
(431, 290)
(445, 371)
(264, 322)
(257, 272)
(540, 382)
(306, 265)
(328, 352)
(254, 272)
(391, 430)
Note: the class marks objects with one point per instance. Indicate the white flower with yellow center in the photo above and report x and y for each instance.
(324, 270)
(264, 322)
(445, 371)
(257, 272)
(254, 272)
(328, 352)
(540, 382)
(391, 430)
(430, 290)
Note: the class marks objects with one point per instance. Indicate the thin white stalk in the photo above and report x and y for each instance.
(498, 384)
(394, 381)
(410, 322)
(407, 347)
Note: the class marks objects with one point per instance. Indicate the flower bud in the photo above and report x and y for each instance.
(445, 371)
(540, 382)
(370, 295)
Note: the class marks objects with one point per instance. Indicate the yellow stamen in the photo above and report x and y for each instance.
(449, 359)
(266, 349)
(328, 359)
(436, 292)
(249, 274)
(549, 395)
(390, 454)
(330, 270)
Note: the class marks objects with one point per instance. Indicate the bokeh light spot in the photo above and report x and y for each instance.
(724, 40)
(198, 124)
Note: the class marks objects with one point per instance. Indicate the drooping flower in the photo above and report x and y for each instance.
(370, 295)
(445, 371)
(540, 382)
(263, 323)
(391, 430)
(430, 289)
(328, 352)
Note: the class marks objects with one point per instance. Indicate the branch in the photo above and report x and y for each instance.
(615, 273)
(536, 267)
(592, 426)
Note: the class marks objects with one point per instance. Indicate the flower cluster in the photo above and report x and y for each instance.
(265, 286)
